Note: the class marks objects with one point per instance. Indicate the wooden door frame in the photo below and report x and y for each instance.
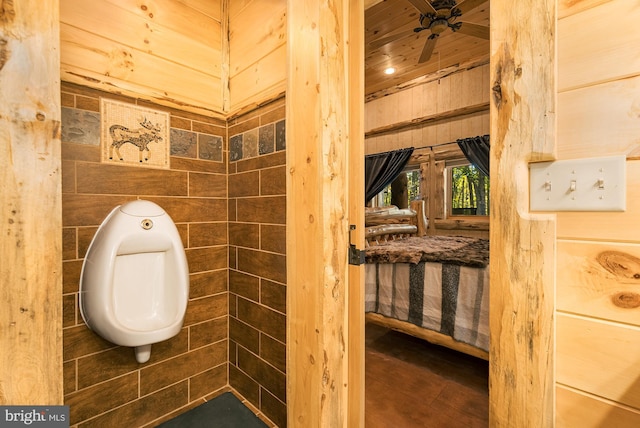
(523, 105)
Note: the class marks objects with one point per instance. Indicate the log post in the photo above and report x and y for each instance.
(325, 194)
(30, 204)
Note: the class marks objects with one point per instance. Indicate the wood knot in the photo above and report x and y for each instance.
(620, 264)
(626, 300)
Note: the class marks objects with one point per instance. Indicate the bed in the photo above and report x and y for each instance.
(432, 287)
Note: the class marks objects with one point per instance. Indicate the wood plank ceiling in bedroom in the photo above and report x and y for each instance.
(452, 51)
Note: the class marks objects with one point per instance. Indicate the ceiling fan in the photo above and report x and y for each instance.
(438, 16)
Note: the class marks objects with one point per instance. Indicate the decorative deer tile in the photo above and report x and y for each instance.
(134, 135)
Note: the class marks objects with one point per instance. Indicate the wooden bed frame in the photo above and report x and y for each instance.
(383, 227)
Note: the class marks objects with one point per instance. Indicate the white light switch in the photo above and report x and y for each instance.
(593, 184)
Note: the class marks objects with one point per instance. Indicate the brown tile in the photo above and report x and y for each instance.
(244, 335)
(184, 366)
(266, 265)
(185, 210)
(244, 126)
(183, 231)
(207, 128)
(268, 377)
(186, 164)
(88, 210)
(261, 162)
(205, 383)
(69, 377)
(90, 402)
(80, 341)
(80, 152)
(232, 209)
(105, 365)
(67, 100)
(263, 319)
(207, 258)
(266, 209)
(206, 308)
(233, 352)
(244, 235)
(207, 283)
(113, 179)
(115, 362)
(273, 115)
(273, 352)
(273, 408)
(69, 306)
(207, 234)
(85, 236)
(68, 176)
(233, 258)
(273, 295)
(71, 276)
(273, 238)
(87, 103)
(273, 181)
(245, 184)
(244, 285)
(207, 185)
(144, 410)
(208, 332)
(233, 305)
(244, 385)
(180, 123)
(69, 243)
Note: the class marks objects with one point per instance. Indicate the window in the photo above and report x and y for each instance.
(409, 179)
(468, 190)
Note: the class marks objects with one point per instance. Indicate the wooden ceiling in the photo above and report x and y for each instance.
(452, 50)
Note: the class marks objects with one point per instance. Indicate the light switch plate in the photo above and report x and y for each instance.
(592, 184)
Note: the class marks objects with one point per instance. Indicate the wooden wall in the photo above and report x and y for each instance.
(30, 200)
(166, 51)
(598, 290)
(257, 52)
(103, 383)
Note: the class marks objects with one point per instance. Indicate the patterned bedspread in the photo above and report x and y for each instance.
(451, 297)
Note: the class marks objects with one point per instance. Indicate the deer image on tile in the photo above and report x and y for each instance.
(139, 137)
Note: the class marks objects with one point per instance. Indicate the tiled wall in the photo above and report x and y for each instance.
(103, 383)
(257, 262)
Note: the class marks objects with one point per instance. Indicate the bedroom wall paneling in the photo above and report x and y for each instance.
(30, 199)
(258, 52)
(103, 383)
(523, 129)
(257, 259)
(598, 293)
(138, 49)
(319, 191)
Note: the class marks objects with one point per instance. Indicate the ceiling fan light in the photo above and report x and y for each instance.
(389, 70)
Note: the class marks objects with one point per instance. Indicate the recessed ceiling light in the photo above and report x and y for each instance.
(389, 70)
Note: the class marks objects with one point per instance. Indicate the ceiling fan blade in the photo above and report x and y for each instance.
(466, 5)
(474, 30)
(374, 44)
(427, 50)
(423, 6)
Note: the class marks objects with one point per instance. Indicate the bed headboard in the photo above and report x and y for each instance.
(391, 223)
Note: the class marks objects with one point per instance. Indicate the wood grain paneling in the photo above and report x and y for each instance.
(586, 346)
(599, 280)
(577, 409)
(586, 57)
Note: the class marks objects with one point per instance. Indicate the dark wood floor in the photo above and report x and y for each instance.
(411, 383)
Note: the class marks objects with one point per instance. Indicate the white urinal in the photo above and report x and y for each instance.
(134, 285)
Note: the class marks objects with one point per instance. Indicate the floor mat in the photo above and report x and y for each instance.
(224, 411)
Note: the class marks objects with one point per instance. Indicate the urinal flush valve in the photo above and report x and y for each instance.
(146, 224)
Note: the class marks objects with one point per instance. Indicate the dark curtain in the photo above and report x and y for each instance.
(381, 169)
(476, 150)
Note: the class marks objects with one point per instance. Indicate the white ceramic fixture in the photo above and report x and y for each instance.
(134, 284)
